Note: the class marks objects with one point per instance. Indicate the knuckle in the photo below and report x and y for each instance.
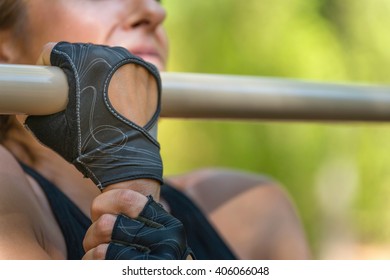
(125, 197)
(95, 206)
(105, 224)
(129, 202)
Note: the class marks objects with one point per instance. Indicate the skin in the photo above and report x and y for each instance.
(251, 231)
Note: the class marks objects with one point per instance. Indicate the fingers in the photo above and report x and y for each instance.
(118, 201)
(44, 57)
(97, 253)
(155, 234)
(104, 211)
(136, 227)
(99, 232)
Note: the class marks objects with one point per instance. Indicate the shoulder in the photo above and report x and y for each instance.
(8, 162)
(212, 187)
(20, 217)
(12, 176)
(220, 178)
(13, 180)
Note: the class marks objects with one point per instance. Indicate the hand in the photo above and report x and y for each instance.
(106, 130)
(128, 225)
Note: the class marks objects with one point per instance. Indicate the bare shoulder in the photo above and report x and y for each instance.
(11, 174)
(212, 187)
(20, 215)
(8, 162)
(220, 178)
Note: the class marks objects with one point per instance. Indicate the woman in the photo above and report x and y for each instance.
(253, 216)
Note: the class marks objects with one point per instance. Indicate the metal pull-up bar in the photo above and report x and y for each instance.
(37, 90)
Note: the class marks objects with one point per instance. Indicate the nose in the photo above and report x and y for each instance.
(146, 14)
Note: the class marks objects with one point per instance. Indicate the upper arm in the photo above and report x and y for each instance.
(212, 187)
(20, 215)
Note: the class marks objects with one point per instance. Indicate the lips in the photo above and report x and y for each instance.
(150, 56)
(146, 55)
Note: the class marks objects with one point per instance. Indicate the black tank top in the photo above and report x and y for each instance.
(202, 237)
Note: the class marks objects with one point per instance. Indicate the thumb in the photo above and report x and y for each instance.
(44, 57)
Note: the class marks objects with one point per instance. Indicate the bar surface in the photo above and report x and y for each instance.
(32, 90)
(38, 90)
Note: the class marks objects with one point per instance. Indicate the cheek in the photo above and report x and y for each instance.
(88, 21)
(164, 45)
(72, 29)
(66, 23)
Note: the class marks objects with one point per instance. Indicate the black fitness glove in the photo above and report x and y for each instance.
(90, 133)
(154, 235)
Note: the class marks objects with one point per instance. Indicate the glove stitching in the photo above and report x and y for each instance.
(78, 106)
(77, 97)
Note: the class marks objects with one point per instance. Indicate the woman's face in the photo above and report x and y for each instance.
(133, 24)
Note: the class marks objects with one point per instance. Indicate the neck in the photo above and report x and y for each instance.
(19, 142)
(24, 146)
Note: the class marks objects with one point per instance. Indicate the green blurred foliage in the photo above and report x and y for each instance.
(322, 40)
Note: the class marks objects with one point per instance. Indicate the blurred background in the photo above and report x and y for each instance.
(338, 175)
